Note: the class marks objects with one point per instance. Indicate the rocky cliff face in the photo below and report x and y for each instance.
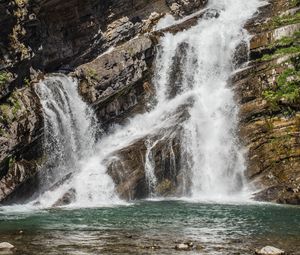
(268, 91)
(20, 141)
(50, 34)
(73, 35)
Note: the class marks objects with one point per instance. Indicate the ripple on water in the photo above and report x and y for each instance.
(219, 228)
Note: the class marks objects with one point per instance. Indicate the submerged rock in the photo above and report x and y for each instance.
(182, 247)
(187, 246)
(269, 250)
(152, 247)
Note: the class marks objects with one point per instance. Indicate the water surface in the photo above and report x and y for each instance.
(133, 229)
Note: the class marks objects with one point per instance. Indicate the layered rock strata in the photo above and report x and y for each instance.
(268, 92)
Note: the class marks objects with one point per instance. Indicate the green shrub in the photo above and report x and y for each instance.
(287, 90)
(283, 46)
(4, 78)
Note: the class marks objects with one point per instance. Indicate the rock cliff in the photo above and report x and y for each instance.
(268, 91)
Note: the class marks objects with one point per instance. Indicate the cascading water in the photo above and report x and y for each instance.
(70, 128)
(206, 54)
(193, 70)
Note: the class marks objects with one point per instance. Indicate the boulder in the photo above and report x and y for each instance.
(6, 246)
(269, 250)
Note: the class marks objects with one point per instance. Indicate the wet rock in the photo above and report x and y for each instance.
(199, 247)
(152, 247)
(176, 73)
(127, 165)
(6, 247)
(211, 14)
(66, 199)
(269, 250)
(279, 194)
(241, 55)
(182, 247)
(128, 171)
(190, 244)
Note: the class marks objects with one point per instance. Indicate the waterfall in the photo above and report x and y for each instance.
(193, 70)
(72, 171)
(200, 61)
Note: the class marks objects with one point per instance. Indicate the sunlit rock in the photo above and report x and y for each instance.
(6, 246)
(269, 250)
